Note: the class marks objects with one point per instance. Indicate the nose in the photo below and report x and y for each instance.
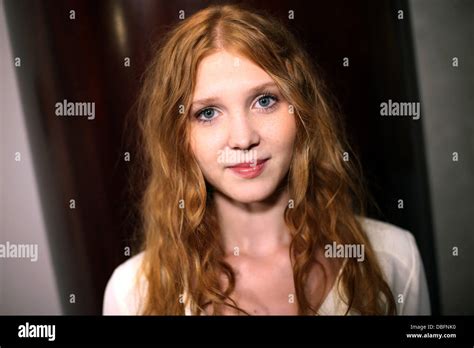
(243, 134)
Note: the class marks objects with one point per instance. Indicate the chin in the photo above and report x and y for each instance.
(249, 198)
(250, 193)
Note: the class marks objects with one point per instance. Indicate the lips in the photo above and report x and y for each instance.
(249, 170)
(248, 164)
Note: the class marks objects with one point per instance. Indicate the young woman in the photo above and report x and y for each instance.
(250, 206)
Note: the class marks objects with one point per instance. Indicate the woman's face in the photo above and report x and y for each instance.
(242, 131)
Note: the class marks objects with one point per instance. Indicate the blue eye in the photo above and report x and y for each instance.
(267, 102)
(206, 115)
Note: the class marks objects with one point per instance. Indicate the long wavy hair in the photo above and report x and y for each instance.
(183, 261)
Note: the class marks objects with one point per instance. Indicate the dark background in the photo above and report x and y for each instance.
(82, 60)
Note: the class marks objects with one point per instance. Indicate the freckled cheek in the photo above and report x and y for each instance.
(206, 146)
(289, 130)
(280, 131)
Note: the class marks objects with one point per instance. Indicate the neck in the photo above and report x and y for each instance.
(257, 229)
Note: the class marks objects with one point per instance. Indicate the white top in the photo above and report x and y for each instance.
(394, 247)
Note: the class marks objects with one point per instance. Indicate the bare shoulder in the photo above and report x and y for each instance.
(124, 290)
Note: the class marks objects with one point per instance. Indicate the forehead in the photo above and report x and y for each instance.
(224, 71)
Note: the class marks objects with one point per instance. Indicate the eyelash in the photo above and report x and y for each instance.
(264, 110)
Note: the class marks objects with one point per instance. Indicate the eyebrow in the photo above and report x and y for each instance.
(251, 91)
